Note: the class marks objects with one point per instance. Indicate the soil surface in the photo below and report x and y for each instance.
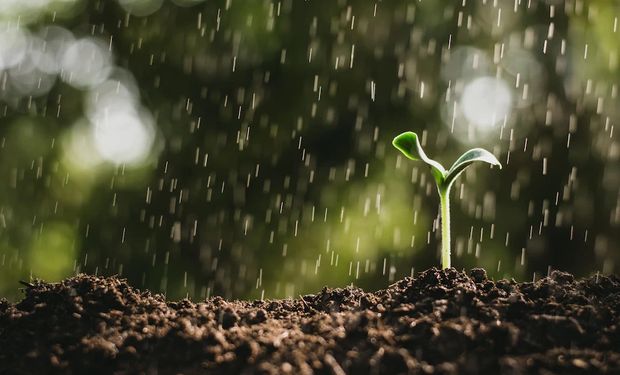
(440, 322)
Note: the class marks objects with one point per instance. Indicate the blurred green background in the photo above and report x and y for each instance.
(242, 148)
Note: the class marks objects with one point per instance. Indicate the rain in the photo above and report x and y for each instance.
(243, 148)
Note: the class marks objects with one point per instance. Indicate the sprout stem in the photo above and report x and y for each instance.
(444, 198)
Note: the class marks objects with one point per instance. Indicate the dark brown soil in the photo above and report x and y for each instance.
(442, 322)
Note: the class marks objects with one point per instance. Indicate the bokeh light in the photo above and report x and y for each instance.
(27, 79)
(486, 101)
(48, 49)
(14, 45)
(112, 95)
(86, 62)
(122, 135)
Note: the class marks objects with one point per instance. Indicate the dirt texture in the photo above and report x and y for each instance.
(440, 322)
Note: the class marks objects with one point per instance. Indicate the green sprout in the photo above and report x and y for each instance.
(409, 145)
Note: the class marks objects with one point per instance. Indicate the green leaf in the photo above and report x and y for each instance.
(409, 145)
(469, 157)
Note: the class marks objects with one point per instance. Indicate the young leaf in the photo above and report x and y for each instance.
(469, 157)
(408, 144)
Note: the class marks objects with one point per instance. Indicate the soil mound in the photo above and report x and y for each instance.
(440, 322)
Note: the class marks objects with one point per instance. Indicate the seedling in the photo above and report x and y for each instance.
(409, 145)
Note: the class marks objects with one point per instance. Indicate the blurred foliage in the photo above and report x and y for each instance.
(271, 171)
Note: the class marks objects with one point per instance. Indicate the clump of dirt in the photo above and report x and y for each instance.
(440, 322)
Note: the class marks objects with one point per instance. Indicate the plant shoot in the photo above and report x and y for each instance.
(409, 145)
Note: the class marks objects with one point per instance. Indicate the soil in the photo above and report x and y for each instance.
(440, 322)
